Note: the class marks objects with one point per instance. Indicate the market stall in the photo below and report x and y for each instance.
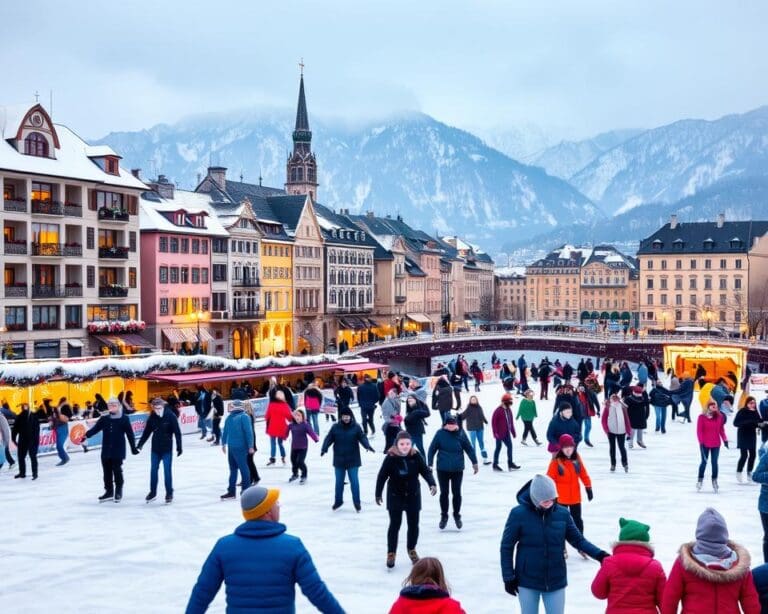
(717, 360)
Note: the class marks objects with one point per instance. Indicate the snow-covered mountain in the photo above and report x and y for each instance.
(678, 160)
(522, 141)
(439, 178)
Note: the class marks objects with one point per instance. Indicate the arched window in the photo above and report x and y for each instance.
(300, 174)
(361, 298)
(346, 257)
(36, 145)
(332, 256)
(368, 296)
(332, 277)
(352, 297)
(332, 297)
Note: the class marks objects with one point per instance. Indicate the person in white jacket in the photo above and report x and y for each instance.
(5, 442)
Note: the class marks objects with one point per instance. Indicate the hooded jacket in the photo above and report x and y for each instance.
(401, 474)
(473, 417)
(346, 440)
(390, 411)
(442, 396)
(559, 426)
(425, 599)
(711, 589)
(450, 447)
(638, 409)
(238, 431)
(260, 565)
(631, 580)
(415, 416)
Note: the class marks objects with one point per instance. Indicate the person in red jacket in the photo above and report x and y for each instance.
(631, 579)
(503, 427)
(426, 591)
(710, 429)
(277, 417)
(711, 574)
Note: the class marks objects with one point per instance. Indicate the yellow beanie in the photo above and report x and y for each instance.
(257, 501)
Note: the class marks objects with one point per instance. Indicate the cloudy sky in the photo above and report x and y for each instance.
(572, 68)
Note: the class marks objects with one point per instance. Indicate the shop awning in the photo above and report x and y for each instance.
(358, 323)
(75, 343)
(419, 317)
(127, 339)
(373, 323)
(344, 324)
(205, 335)
(178, 335)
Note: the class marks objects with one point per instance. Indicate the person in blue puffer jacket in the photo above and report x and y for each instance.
(760, 475)
(260, 564)
(237, 441)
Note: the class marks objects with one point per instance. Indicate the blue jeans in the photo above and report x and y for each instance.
(62, 433)
(477, 437)
(705, 453)
(166, 459)
(661, 417)
(274, 442)
(554, 601)
(587, 423)
(507, 441)
(238, 460)
(312, 416)
(354, 485)
(418, 442)
(202, 424)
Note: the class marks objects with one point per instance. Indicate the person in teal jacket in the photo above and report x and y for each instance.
(237, 442)
(260, 564)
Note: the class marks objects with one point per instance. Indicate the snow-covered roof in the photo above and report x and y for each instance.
(11, 117)
(99, 151)
(507, 271)
(151, 218)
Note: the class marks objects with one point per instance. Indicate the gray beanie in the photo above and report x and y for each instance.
(256, 501)
(712, 534)
(542, 489)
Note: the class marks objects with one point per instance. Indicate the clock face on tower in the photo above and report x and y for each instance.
(36, 120)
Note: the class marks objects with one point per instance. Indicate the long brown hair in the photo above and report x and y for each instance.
(427, 570)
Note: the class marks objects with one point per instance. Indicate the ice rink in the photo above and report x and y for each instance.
(63, 552)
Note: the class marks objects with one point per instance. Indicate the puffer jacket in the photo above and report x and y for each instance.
(260, 565)
(425, 599)
(710, 590)
(346, 440)
(760, 475)
(238, 431)
(631, 580)
(401, 474)
(450, 447)
(442, 396)
(473, 418)
(559, 426)
(638, 409)
(414, 418)
(278, 417)
(760, 577)
(566, 473)
(710, 431)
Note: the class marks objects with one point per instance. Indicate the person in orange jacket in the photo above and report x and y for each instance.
(566, 469)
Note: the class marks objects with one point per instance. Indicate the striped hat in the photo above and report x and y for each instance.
(257, 501)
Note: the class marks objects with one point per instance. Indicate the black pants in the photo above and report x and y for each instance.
(367, 414)
(390, 432)
(613, 441)
(575, 510)
(452, 480)
(297, 462)
(457, 396)
(113, 474)
(395, 520)
(23, 451)
(507, 441)
(252, 468)
(544, 390)
(528, 429)
(8, 456)
(744, 454)
(764, 520)
(216, 429)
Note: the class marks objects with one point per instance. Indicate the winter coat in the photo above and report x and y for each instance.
(391, 384)
(473, 418)
(638, 409)
(566, 473)
(625, 377)
(567, 372)
(631, 580)
(420, 393)
(115, 429)
(710, 431)
(202, 402)
(503, 423)
(26, 429)
(367, 395)
(425, 599)
(760, 476)
(746, 422)
(537, 539)
(760, 578)
(390, 412)
(301, 432)
(718, 394)
(238, 431)
(5, 434)
(414, 418)
(346, 440)
(260, 565)
(589, 403)
(659, 397)
(313, 399)
(559, 426)
(218, 406)
(163, 430)
(450, 447)
(401, 474)
(278, 417)
(572, 400)
(442, 397)
(642, 374)
(527, 410)
(344, 396)
(709, 590)
(610, 422)
(684, 394)
(705, 394)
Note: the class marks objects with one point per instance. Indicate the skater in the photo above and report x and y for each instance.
(346, 437)
(710, 429)
(684, 395)
(344, 394)
(115, 428)
(533, 548)
(60, 416)
(260, 564)
(301, 433)
(660, 398)
(25, 435)
(5, 442)
(615, 421)
(237, 442)
(562, 423)
(255, 479)
(474, 422)
(566, 469)
(450, 444)
(503, 427)
(367, 397)
(747, 421)
(163, 425)
(202, 409)
(313, 400)
(426, 590)
(442, 398)
(590, 407)
(390, 412)
(527, 413)
(631, 579)
(638, 409)
(760, 476)
(400, 470)
(545, 371)
(217, 404)
(760, 578)
(711, 574)
(477, 374)
(277, 417)
(456, 383)
(416, 413)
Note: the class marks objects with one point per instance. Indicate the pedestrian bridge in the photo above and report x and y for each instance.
(413, 354)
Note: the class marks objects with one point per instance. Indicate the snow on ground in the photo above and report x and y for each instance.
(62, 550)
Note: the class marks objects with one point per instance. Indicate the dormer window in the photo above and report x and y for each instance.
(735, 243)
(657, 244)
(678, 243)
(179, 219)
(709, 244)
(111, 165)
(35, 144)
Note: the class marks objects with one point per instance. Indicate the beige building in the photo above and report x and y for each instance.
(552, 286)
(510, 296)
(609, 288)
(705, 275)
(70, 236)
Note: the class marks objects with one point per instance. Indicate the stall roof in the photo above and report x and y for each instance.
(124, 339)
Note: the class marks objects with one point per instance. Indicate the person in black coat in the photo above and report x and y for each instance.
(25, 434)
(456, 381)
(217, 403)
(344, 394)
(287, 392)
(566, 395)
(400, 470)
(115, 428)
(163, 426)
(638, 409)
(202, 409)
(368, 397)
(442, 397)
(415, 414)
(747, 421)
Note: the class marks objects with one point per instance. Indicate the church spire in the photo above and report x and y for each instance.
(301, 169)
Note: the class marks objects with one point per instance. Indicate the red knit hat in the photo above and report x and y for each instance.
(566, 441)
(506, 398)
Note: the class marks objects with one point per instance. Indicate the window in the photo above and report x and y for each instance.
(47, 349)
(737, 283)
(163, 276)
(723, 283)
(737, 263)
(692, 283)
(195, 246)
(723, 263)
(218, 246)
(185, 275)
(650, 299)
(693, 264)
(163, 244)
(678, 283)
(132, 241)
(663, 265)
(707, 283)
(45, 317)
(649, 283)
(219, 301)
(693, 299)
(678, 264)
(185, 246)
(16, 318)
(722, 316)
(90, 276)
(219, 272)
(132, 277)
(692, 315)
(73, 316)
(163, 307)
(663, 284)
(90, 238)
(663, 299)
(36, 145)
(204, 275)
(174, 245)
(650, 265)
(195, 275)
(174, 274)
(707, 264)
(678, 315)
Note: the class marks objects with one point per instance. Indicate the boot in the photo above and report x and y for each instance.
(106, 496)
(740, 478)
(303, 479)
(443, 521)
(715, 487)
(293, 478)
(497, 468)
(336, 506)
(749, 476)
(390, 560)
(524, 442)
(228, 495)
(169, 498)
(150, 497)
(118, 495)
(271, 461)
(413, 556)
(513, 467)
(283, 459)
(641, 444)
(589, 444)
(613, 467)
(626, 468)
(537, 442)
(457, 520)
(698, 485)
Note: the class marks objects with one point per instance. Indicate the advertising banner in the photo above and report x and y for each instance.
(758, 384)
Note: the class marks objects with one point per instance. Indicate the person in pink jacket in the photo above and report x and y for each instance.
(710, 430)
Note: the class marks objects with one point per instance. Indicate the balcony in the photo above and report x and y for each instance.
(400, 299)
(47, 207)
(246, 283)
(73, 210)
(120, 253)
(57, 249)
(48, 291)
(45, 326)
(247, 314)
(73, 289)
(17, 205)
(342, 310)
(15, 248)
(16, 290)
(113, 291)
(305, 310)
(113, 215)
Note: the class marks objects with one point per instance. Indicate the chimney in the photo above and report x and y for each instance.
(369, 214)
(720, 220)
(218, 175)
(163, 187)
(136, 172)
(672, 221)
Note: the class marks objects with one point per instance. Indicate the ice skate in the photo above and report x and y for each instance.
(513, 467)
(227, 495)
(524, 442)
(641, 444)
(283, 459)
(497, 468)
(107, 496)
(626, 468)
(413, 556)
(749, 477)
(537, 442)
(740, 478)
(613, 467)
(303, 479)
(457, 520)
(336, 506)
(168, 499)
(293, 478)
(390, 560)
(443, 521)
(698, 485)
(358, 507)
(271, 462)
(715, 487)
(150, 497)
(118, 496)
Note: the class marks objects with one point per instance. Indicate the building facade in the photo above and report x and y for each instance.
(510, 296)
(552, 286)
(609, 288)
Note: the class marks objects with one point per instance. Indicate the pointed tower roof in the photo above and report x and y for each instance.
(302, 118)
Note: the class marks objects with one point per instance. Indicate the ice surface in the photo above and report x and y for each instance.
(62, 551)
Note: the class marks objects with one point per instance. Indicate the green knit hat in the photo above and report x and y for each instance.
(633, 531)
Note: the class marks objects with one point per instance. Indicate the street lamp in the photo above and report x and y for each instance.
(708, 314)
(664, 316)
(198, 315)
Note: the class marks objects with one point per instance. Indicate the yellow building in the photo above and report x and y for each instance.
(276, 264)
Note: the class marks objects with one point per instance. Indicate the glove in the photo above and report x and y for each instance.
(433, 490)
(178, 452)
(590, 496)
(511, 587)
(602, 556)
(378, 500)
(725, 443)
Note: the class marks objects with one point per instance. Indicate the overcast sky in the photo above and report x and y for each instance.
(572, 67)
